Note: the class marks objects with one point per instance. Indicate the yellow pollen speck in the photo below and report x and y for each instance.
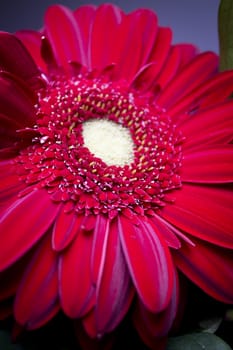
(109, 141)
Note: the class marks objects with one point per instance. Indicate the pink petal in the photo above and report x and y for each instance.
(159, 324)
(203, 212)
(165, 232)
(152, 274)
(37, 297)
(84, 16)
(213, 164)
(189, 78)
(23, 226)
(187, 53)
(32, 41)
(76, 289)
(148, 77)
(161, 48)
(205, 95)
(66, 39)
(10, 185)
(210, 267)
(15, 59)
(103, 41)
(170, 67)
(135, 39)
(210, 126)
(65, 228)
(114, 290)
(100, 238)
(17, 101)
(11, 277)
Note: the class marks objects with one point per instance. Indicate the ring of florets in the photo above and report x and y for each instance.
(59, 161)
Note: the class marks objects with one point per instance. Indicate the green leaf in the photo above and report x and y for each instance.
(225, 31)
(197, 341)
(6, 344)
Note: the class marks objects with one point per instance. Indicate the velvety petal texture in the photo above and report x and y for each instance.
(106, 241)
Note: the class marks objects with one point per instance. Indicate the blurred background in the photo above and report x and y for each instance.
(193, 21)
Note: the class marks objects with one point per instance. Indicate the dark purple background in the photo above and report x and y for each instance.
(192, 21)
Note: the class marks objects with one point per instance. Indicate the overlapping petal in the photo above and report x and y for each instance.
(85, 247)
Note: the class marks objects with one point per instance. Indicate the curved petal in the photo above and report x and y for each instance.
(136, 37)
(159, 324)
(164, 231)
(161, 48)
(206, 126)
(32, 41)
(30, 225)
(152, 274)
(65, 228)
(212, 164)
(208, 266)
(75, 285)
(187, 53)
(207, 94)
(114, 291)
(203, 212)
(23, 67)
(17, 101)
(84, 16)
(103, 41)
(190, 77)
(148, 76)
(11, 277)
(98, 254)
(10, 185)
(66, 39)
(36, 300)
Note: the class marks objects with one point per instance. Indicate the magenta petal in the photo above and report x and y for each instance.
(136, 37)
(152, 274)
(24, 66)
(66, 39)
(85, 16)
(100, 238)
(203, 212)
(103, 41)
(210, 267)
(16, 100)
(10, 185)
(161, 48)
(189, 78)
(30, 225)
(114, 290)
(76, 289)
(213, 164)
(166, 232)
(213, 125)
(11, 277)
(211, 92)
(37, 297)
(32, 41)
(65, 229)
(159, 324)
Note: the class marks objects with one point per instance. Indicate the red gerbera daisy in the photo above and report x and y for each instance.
(116, 172)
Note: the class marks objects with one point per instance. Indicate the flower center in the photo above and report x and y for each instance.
(102, 148)
(109, 141)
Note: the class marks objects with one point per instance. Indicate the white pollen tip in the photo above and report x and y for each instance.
(109, 141)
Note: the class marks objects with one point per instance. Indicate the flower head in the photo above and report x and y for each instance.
(116, 172)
